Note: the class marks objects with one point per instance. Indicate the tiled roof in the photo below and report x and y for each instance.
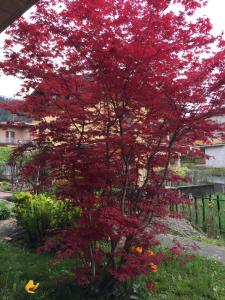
(7, 116)
(215, 142)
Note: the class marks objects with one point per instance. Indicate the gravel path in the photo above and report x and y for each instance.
(195, 247)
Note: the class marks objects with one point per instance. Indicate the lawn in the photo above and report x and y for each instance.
(17, 266)
(197, 279)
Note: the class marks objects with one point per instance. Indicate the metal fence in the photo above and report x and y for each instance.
(205, 212)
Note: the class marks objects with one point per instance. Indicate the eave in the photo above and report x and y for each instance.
(10, 10)
(211, 145)
(20, 125)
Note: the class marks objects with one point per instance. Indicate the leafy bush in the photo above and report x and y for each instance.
(22, 197)
(36, 214)
(5, 186)
(5, 212)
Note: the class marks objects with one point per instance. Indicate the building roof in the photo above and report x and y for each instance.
(7, 116)
(222, 144)
(10, 10)
(20, 125)
(214, 142)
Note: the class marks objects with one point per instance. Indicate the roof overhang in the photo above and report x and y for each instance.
(210, 145)
(20, 125)
(10, 10)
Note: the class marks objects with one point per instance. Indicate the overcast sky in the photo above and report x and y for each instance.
(215, 10)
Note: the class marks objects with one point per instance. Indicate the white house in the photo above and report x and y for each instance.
(215, 150)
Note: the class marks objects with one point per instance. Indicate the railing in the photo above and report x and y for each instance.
(23, 141)
(14, 142)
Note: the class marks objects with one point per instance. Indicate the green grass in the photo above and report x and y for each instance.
(197, 279)
(208, 241)
(17, 266)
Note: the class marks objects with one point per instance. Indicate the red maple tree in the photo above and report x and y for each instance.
(122, 88)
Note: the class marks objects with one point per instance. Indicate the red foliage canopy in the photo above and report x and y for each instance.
(122, 88)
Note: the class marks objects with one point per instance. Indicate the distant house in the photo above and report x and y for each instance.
(216, 153)
(15, 133)
(14, 129)
(215, 150)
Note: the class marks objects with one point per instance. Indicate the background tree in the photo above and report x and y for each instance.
(122, 88)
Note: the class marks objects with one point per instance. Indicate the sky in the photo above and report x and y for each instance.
(215, 10)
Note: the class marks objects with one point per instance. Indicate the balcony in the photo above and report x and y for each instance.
(13, 142)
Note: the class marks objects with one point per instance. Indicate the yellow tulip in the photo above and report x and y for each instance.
(30, 287)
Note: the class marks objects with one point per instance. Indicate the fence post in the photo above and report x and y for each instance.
(219, 213)
(210, 227)
(203, 214)
(189, 207)
(196, 211)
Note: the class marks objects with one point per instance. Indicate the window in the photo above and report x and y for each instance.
(10, 137)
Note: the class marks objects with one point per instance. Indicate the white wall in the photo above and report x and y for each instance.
(219, 119)
(217, 158)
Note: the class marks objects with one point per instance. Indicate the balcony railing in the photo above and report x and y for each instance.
(23, 141)
(10, 141)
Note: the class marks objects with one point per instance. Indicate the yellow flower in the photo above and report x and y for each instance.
(30, 287)
(154, 268)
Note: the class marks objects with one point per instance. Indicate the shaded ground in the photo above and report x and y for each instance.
(8, 229)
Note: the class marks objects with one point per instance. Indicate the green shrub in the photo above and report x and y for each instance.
(36, 214)
(5, 212)
(5, 186)
(22, 197)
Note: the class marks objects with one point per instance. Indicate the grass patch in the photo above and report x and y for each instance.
(17, 266)
(197, 279)
(214, 242)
